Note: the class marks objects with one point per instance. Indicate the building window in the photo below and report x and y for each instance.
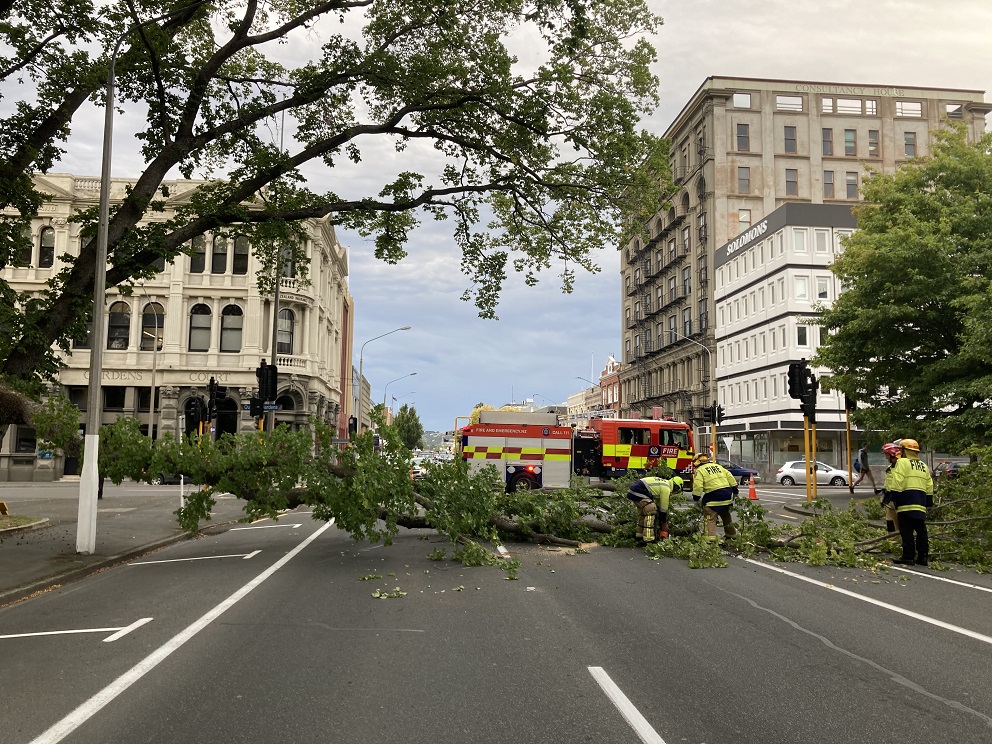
(703, 316)
(802, 336)
(46, 248)
(83, 342)
(827, 105)
(288, 262)
(953, 110)
(790, 139)
(198, 257)
(851, 143)
(686, 239)
(687, 322)
(231, 319)
(687, 281)
(909, 144)
(240, 255)
(799, 240)
(800, 288)
(742, 100)
(23, 257)
(218, 260)
(199, 328)
(114, 397)
(152, 327)
(791, 182)
(828, 141)
(743, 180)
(871, 107)
(284, 332)
(821, 241)
(789, 103)
(822, 288)
(852, 185)
(909, 108)
(873, 146)
(848, 105)
(743, 219)
(743, 138)
(119, 326)
(828, 184)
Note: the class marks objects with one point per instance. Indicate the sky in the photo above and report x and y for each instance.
(545, 341)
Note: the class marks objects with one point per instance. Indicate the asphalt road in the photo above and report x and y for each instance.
(271, 634)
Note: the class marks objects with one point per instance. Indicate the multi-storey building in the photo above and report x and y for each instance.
(740, 149)
(201, 316)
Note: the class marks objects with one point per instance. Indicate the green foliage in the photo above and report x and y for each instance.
(438, 554)
(695, 549)
(408, 427)
(909, 337)
(57, 426)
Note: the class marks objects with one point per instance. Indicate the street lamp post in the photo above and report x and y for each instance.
(390, 383)
(89, 481)
(709, 363)
(361, 359)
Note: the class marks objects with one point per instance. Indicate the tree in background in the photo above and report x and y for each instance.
(531, 160)
(409, 428)
(909, 337)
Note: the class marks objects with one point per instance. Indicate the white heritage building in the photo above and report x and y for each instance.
(200, 317)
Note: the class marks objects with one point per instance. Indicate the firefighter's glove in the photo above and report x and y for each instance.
(736, 491)
(695, 498)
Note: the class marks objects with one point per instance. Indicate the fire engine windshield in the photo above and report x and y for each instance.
(679, 437)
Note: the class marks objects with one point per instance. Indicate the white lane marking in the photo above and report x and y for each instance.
(941, 578)
(637, 722)
(96, 703)
(124, 631)
(885, 605)
(252, 554)
(264, 527)
(244, 556)
(119, 631)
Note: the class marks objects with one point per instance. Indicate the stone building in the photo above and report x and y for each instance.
(201, 317)
(742, 148)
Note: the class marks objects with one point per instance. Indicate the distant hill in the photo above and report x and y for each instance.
(432, 440)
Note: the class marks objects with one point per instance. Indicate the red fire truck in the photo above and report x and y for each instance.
(608, 448)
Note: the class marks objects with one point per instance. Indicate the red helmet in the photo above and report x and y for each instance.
(891, 449)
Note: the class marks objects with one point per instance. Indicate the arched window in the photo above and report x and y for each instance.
(198, 258)
(218, 261)
(199, 328)
(46, 248)
(231, 319)
(25, 251)
(284, 332)
(241, 255)
(119, 326)
(288, 262)
(152, 327)
(286, 403)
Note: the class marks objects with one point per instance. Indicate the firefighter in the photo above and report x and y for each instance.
(714, 488)
(911, 490)
(892, 452)
(651, 496)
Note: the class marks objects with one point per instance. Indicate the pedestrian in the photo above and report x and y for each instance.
(714, 488)
(864, 469)
(911, 490)
(892, 452)
(652, 496)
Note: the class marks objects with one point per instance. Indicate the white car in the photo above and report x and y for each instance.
(795, 472)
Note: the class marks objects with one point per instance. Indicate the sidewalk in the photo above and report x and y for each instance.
(132, 519)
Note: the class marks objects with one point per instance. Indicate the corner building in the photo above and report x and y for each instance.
(201, 316)
(742, 148)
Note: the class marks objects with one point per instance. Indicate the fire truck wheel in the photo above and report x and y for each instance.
(523, 482)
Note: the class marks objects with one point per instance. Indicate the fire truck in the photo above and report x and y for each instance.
(534, 451)
(608, 448)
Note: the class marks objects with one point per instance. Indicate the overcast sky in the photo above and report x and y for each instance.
(544, 340)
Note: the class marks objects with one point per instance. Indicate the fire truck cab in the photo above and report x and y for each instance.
(608, 448)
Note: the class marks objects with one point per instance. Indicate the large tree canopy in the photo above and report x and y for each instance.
(535, 156)
(910, 336)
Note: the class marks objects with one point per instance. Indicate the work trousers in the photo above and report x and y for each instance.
(646, 510)
(915, 540)
(709, 520)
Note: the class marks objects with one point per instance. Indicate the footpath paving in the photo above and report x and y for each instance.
(132, 519)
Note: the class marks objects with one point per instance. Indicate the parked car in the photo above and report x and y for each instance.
(740, 472)
(417, 468)
(795, 472)
(169, 479)
(948, 469)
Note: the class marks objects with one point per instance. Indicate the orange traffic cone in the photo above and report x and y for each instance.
(751, 493)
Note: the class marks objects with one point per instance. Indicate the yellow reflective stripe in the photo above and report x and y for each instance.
(558, 458)
(530, 450)
(622, 450)
(609, 450)
(637, 462)
(911, 507)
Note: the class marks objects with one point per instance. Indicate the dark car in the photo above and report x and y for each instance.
(169, 479)
(948, 469)
(740, 472)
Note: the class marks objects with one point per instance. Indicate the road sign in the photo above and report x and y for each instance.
(271, 407)
(246, 406)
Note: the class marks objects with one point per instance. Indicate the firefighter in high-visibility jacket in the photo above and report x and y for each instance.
(714, 488)
(651, 496)
(911, 490)
(893, 452)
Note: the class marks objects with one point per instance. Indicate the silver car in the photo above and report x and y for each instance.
(795, 472)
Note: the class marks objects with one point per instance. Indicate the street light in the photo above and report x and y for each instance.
(390, 383)
(89, 480)
(709, 363)
(584, 379)
(361, 359)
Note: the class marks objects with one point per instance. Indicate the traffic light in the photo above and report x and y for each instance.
(797, 380)
(268, 381)
(719, 414)
(352, 425)
(203, 409)
(850, 403)
(707, 414)
(255, 407)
